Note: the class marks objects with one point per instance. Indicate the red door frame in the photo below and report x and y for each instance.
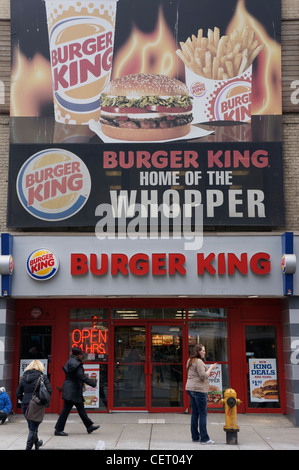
(240, 311)
(59, 347)
(169, 322)
(51, 369)
(113, 324)
(147, 364)
(280, 368)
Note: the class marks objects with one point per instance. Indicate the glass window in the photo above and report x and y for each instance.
(88, 313)
(167, 385)
(214, 313)
(213, 335)
(35, 344)
(167, 367)
(148, 313)
(129, 344)
(263, 376)
(92, 338)
(129, 358)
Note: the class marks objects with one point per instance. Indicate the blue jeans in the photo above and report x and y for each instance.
(199, 407)
(32, 425)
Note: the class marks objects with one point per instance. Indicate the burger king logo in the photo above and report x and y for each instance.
(10, 265)
(81, 57)
(233, 102)
(53, 184)
(283, 263)
(42, 264)
(198, 89)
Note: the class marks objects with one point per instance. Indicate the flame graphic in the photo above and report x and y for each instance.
(148, 52)
(31, 85)
(267, 84)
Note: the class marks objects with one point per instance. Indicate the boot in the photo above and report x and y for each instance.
(30, 440)
(38, 443)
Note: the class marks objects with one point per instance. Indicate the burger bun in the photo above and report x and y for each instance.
(145, 134)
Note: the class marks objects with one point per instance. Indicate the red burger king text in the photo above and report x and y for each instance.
(51, 181)
(70, 65)
(161, 264)
(184, 159)
(41, 262)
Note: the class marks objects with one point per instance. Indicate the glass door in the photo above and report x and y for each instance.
(166, 367)
(148, 367)
(36, 343)
(262, 368)
(129, 378)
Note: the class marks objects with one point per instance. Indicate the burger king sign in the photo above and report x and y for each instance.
(42, 264)
(53, 184)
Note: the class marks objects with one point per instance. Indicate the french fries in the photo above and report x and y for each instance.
(220, 57)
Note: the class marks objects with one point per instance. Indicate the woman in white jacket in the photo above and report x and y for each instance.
(197, 386)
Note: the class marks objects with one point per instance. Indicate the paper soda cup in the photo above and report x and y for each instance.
(81, 40)
(220, 100)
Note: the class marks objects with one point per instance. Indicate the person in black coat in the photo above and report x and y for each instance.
(72, 392)
(24, 393)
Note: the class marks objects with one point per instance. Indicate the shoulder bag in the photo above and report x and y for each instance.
(35, 410)
(43, 393)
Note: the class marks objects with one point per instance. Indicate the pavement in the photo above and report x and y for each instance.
(157, 433)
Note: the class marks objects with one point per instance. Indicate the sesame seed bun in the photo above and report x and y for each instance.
(140, 84)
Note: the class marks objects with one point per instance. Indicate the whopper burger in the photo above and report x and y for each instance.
(269, 390)
(141, 107)
(214, 394)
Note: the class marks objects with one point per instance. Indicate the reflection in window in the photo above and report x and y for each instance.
(167, 385)
(213, 313)
(213, 335)
(148, 313)
(129, 344)
(88, 313)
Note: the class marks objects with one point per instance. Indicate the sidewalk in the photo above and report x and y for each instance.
(158, 431)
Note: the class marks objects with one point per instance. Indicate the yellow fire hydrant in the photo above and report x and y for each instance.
(231, 428)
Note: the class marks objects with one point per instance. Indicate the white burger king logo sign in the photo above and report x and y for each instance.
(53, 184)
(42, 264)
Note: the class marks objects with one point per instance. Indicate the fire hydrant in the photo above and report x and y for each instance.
(231, 428)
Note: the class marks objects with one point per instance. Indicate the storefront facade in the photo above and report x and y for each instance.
(137, 304)
(137, 316)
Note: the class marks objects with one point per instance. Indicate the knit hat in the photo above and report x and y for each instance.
(76, 351)
(2, 389)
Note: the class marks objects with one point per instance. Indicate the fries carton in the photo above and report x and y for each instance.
(219, 74)
(81, 40)
(220, 100)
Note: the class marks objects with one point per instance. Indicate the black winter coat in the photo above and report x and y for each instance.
(75, 380)
(27, 385)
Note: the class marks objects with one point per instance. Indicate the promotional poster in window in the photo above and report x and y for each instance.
(125, 110)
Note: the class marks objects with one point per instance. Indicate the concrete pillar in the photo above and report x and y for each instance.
(290, 332)
(7, 322)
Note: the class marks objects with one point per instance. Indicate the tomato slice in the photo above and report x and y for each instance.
(165, 109)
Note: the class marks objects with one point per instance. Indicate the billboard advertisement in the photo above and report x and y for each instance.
(152, 109)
